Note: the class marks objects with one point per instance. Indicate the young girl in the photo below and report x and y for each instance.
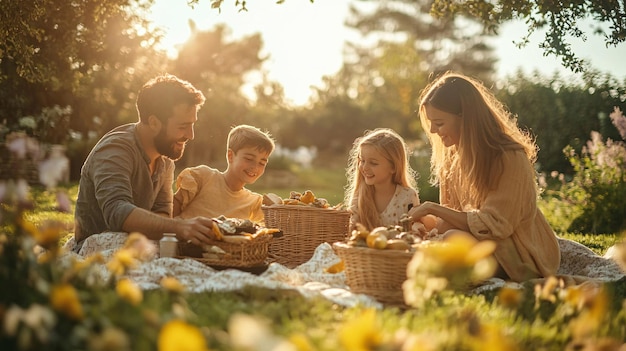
(381, 184)
(483, 164)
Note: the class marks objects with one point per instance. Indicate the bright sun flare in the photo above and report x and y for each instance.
(301, 47)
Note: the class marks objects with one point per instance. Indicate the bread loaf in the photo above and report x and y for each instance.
(272, 199)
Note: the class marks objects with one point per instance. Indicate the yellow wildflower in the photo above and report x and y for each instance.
(594, 302)
(361, 333)
(123, 260)
(49, 234)
(420, 342)
(172, 284)
(64, 298)
(301, 342)
(129, 291)
(142, 248)
(548, 290)
(177, 335)
(78, 265)
(510, 297)
(491, 338)
(27, 226)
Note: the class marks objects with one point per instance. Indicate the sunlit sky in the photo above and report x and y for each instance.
(305, 40)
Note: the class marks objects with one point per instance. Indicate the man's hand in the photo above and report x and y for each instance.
(197, 231)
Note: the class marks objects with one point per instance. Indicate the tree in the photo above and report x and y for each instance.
(55, 52)
(89, 55)
(561, 112)
(562, 19)
(441, 44)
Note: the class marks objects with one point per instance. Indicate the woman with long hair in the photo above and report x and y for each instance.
(483, 164)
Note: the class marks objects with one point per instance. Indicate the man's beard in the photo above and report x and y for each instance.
(167, 147)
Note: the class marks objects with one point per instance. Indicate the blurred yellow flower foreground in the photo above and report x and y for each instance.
(455, 263)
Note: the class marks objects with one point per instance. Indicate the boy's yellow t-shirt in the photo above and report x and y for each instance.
(202, 191)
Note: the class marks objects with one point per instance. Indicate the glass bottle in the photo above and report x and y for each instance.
(168, 246)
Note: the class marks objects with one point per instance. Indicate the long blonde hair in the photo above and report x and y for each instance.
(394, 149)
(487, 131)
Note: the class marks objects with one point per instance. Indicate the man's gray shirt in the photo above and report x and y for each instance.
(115, 179)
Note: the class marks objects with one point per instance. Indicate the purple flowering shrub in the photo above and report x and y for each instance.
(598, 186)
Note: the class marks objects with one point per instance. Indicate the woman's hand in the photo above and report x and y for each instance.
(446, 218)
(421, 211)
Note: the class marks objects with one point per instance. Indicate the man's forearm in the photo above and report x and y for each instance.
(150, 224)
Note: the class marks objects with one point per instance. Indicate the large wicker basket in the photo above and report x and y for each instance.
(248, 254)
(304, 229)
(377, 273)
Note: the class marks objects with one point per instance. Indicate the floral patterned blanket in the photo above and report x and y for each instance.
(578, 264)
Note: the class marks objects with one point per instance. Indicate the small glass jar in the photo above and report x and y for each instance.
(168, 246)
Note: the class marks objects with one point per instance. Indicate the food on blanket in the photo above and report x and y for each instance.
(384, 238)
(296, 198)
(336, 268)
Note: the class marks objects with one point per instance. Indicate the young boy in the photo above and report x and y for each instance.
(205, 191)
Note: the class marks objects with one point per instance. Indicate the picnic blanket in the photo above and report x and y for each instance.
(578, 264)
(309, 278)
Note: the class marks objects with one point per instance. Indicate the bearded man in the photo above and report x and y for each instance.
(126, 180)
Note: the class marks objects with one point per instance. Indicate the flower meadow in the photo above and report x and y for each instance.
(51, 300)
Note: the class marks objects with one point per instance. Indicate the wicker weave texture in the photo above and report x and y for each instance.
(248, 254)
(377, 273)
(304, 229)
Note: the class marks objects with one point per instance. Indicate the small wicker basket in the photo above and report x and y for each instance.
(304, 229)
(248, 254)
(377, 273)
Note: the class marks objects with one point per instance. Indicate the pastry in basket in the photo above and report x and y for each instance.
(235, 230)
(307, 198)
(384, 238)
(230, 231)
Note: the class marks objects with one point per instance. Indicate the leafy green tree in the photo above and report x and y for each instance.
(560, 112)
(91, 56)
(51, 51)
(561, 19)
(441, 44)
